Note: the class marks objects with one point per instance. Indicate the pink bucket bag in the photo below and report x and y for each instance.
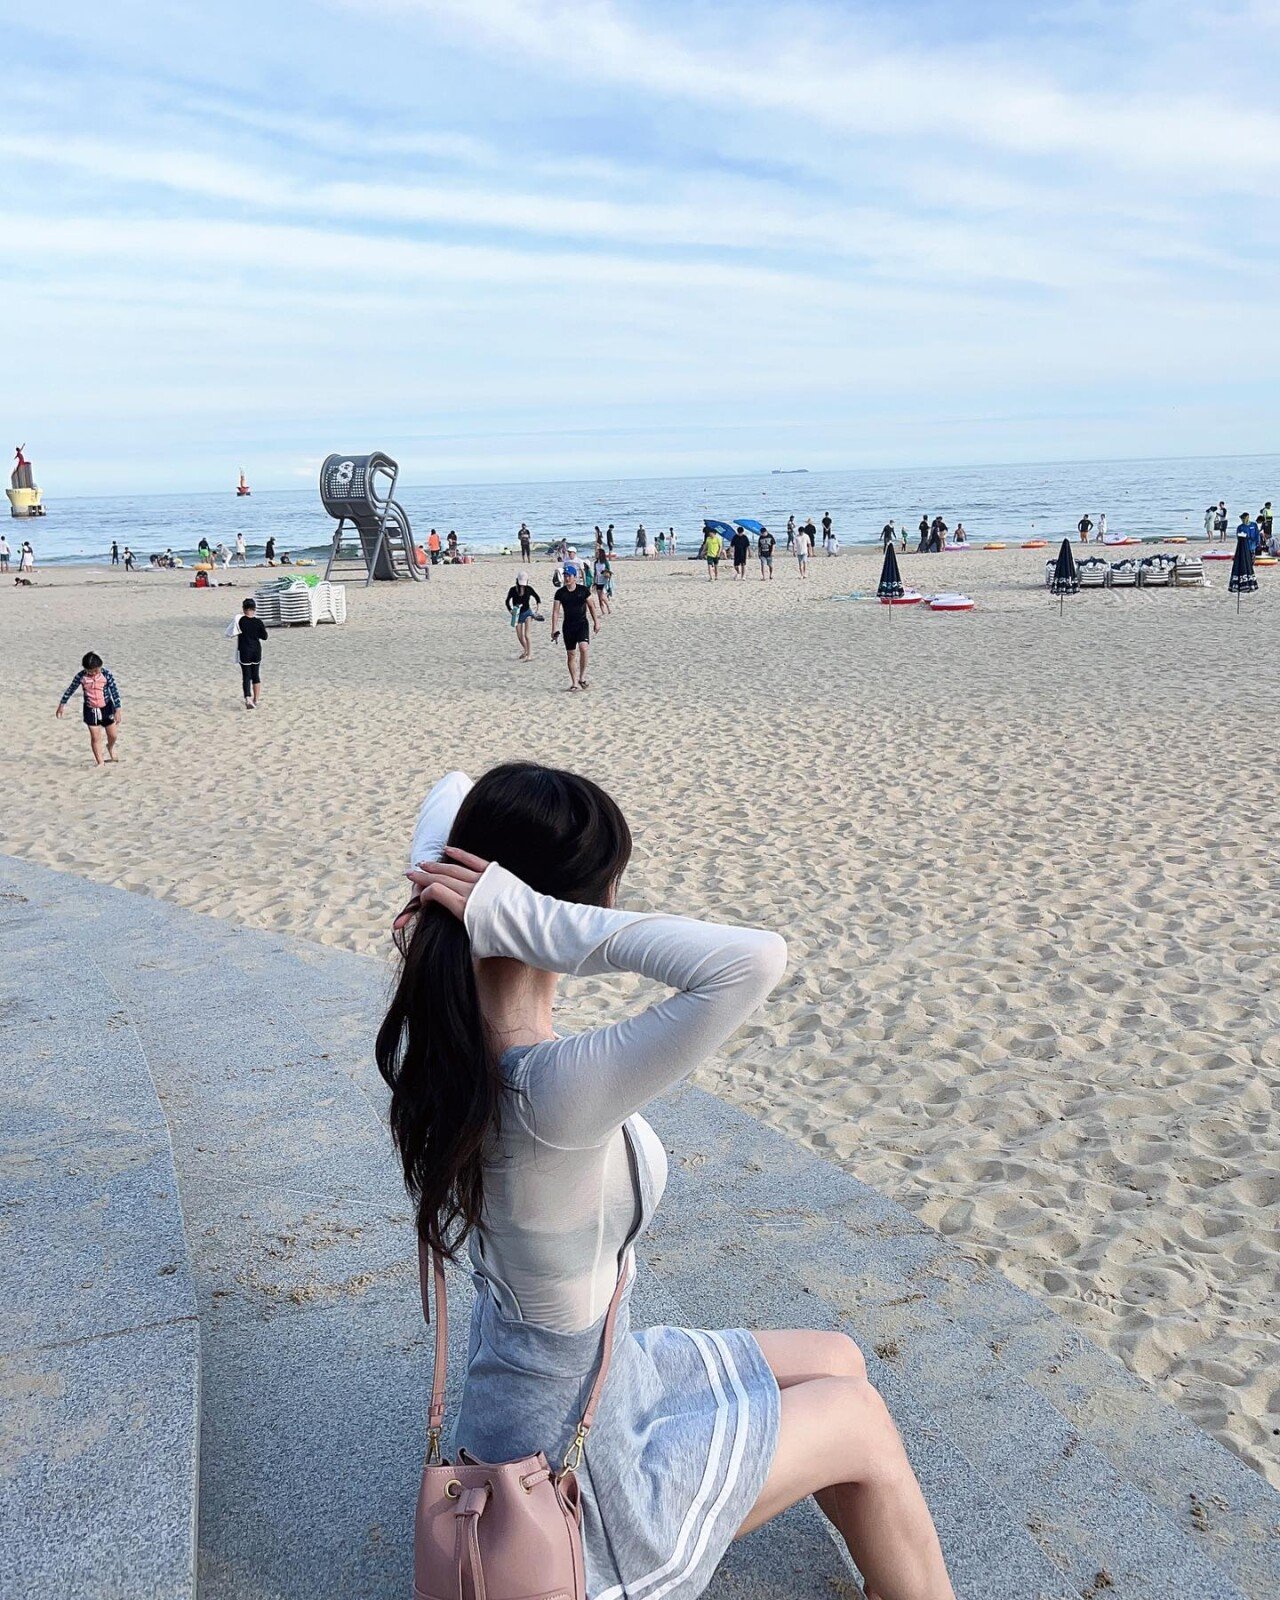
(506, 1530)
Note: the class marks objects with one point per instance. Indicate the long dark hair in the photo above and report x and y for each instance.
(560, 834)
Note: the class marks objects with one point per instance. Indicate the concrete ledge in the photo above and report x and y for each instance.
(99, 1343)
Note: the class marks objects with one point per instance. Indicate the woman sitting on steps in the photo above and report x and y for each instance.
(530, 1148)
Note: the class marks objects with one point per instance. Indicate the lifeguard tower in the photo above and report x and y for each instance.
(373, 535)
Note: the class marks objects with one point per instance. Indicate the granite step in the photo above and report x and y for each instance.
(99, 1341)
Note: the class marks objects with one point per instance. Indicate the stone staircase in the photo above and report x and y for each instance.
(210, 1259)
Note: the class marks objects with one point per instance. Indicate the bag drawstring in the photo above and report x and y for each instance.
(466, 1547)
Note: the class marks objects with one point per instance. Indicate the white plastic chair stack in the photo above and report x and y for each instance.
(330, 602)
(1189, 573)
(268, 598)
(296, 605)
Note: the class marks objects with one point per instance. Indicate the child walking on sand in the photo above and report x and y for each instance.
(101, 705)
(248, 630)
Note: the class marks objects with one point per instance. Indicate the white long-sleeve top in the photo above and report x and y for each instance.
(561, 1198)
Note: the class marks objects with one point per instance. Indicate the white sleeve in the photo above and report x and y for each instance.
(435, 818)
(581, 1088)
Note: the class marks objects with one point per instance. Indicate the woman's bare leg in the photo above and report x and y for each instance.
(838, 1443)
(95, 744)
(112, 735)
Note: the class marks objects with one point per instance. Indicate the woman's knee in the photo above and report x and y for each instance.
(873, 1436)
(843, 1356)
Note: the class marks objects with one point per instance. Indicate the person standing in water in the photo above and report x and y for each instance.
(576, 616)
(115, 554)
(522, 601)
(1084, 527)
(101, 705)
(826, 529)
(4, 553)
(128, 559)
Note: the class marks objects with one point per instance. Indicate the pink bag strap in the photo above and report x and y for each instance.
(431, 1270)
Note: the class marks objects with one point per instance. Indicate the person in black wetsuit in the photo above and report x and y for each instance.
(575, 615)
(522, 601)
(271, 552)
(924, 534)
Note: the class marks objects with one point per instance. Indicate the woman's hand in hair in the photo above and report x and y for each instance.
(445, 883)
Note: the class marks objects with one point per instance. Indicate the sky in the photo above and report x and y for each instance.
(521, 239)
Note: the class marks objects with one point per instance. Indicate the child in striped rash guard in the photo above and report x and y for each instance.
(101, 705)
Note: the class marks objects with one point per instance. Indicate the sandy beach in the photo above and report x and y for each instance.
(1025, 864)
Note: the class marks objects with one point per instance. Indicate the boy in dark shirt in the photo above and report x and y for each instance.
(250, 631)
(741, 550)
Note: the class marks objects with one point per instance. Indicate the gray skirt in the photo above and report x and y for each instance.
(682, 1443)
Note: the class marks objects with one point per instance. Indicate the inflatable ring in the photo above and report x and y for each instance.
(994, 546)
(911, 597)
(1265, 561)
(1035, 544)
(1218, 555)
(1175, 538)
(950, 602)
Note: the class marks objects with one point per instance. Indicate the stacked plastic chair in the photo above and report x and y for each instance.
(301, 602)
(1189, 573)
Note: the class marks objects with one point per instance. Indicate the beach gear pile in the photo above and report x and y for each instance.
(301, 601)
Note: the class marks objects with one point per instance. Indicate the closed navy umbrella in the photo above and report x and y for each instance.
(890, 578)
(1065, 580)
(1243, 578)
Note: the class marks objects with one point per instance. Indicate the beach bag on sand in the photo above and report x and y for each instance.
(498, 1530)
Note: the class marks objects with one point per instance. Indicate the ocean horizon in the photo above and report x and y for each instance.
(1143, 497)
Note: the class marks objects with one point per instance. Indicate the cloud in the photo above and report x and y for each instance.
(800, 63)
(696, 219)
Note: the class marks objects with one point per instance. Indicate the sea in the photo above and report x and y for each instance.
(1145, 499)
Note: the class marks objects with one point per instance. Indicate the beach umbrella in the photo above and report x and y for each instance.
(749, 524)
(724, 529)
(890, 587)
(1065, 580)
(1243, 579)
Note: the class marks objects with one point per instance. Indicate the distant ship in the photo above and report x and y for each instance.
(788, 472)
(24, 496)
(242, 487)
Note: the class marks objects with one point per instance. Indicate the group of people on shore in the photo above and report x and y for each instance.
(802, 540)
(1259, 530)
(582, 597)
(26, 557)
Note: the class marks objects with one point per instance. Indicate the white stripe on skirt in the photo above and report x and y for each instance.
(634, 1591)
